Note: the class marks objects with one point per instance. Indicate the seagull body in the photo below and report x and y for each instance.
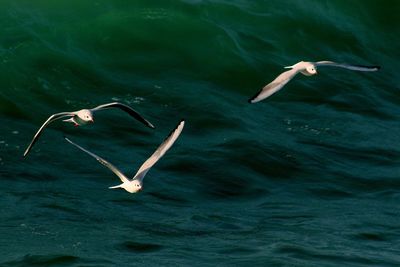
(85, 116)
(305, 68)
(82, 117)
(136, 183)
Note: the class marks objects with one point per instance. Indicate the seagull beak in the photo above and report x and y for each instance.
(92, 121)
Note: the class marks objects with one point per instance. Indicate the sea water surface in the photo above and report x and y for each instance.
(308, 177)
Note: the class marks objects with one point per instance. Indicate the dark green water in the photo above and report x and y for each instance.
(309, 177)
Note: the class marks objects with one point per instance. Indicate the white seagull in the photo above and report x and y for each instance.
(136, 184)
(85, 116)
(305, 68)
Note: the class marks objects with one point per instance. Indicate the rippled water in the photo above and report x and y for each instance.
(309, 177)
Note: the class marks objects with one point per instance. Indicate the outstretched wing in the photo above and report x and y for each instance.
(347, 66)
(127, 109)
(52, 118)
(168, 142)
(102, 161)
(274, 86)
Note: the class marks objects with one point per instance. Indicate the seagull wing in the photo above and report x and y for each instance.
(52, 118)
(347, 66)
(102, 161)
(127, 109)
(168, 142)
(274, 86)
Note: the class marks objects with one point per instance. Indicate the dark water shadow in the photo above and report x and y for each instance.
(137, 247)
(53, 260)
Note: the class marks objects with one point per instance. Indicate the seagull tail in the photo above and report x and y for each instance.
(117, 186)
(289, 67)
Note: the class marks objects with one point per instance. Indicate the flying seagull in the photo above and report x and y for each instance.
(136, 183)
(305, 68)
(85, 116)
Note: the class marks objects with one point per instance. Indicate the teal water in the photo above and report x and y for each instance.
(309, 177)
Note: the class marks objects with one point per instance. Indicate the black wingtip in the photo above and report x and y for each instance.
(369, 67)
(254, 97)
(372, 67)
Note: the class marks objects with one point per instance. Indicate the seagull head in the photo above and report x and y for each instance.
(85, 115)
(312, 70)
(133, 186)
(137, 185)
